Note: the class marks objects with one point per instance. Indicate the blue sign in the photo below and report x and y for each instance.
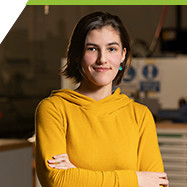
(130, 75)
(150, 71)
(153, 86)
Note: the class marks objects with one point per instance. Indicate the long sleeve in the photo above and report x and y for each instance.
(149, 157)
(51, 133)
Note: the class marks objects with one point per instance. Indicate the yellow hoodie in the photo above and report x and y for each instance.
(107, 140)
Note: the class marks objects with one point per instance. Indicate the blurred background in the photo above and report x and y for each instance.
(34, 50)
(31, 55)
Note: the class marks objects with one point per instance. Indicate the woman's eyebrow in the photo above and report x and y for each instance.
(111, 43)
(92, 44)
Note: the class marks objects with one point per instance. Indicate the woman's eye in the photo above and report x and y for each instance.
(112, 49)
(91, 49)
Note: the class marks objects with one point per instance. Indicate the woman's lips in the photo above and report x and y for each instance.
(101, 69)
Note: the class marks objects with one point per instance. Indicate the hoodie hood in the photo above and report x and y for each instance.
(109, 104)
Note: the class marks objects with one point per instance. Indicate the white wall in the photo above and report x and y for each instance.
(172, 76)
(173, 81)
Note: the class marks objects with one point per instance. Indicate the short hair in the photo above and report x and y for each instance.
(75, 49)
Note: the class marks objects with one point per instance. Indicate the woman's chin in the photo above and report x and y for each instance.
(102, 83)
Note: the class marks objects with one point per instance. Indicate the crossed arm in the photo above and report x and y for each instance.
(145, 179)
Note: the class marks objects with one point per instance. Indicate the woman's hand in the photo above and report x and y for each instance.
(153, 179)
(60, 162)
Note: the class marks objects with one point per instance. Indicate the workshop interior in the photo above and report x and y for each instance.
(34, 50)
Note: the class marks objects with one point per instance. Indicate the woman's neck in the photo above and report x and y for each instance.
(95, 92)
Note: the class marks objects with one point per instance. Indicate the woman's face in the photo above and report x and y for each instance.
(102, 57)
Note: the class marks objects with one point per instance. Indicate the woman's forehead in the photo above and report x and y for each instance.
(105, 33)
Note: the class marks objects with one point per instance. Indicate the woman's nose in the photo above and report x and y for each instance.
(102, 57)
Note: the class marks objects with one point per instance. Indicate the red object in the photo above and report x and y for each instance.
(1, 115)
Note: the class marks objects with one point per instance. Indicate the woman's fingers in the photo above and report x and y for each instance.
(59, 158)
(61, 155)
(153, 179)
(62, 166)
(161, 175)
(164, 182)
(60, 162)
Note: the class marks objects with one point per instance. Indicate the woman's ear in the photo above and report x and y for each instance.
(123, 54)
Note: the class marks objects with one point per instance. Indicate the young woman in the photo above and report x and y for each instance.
(93, 137)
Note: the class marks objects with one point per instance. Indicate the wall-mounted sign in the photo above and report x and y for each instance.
(150, 78)
(150, 71)
(130, 75)
(130, 81)
(143, 75)
(153, 86)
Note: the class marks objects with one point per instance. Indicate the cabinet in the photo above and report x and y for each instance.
(172, 140)
(16, 163)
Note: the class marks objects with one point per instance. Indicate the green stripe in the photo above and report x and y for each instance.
(107, 2)
(170, 135)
